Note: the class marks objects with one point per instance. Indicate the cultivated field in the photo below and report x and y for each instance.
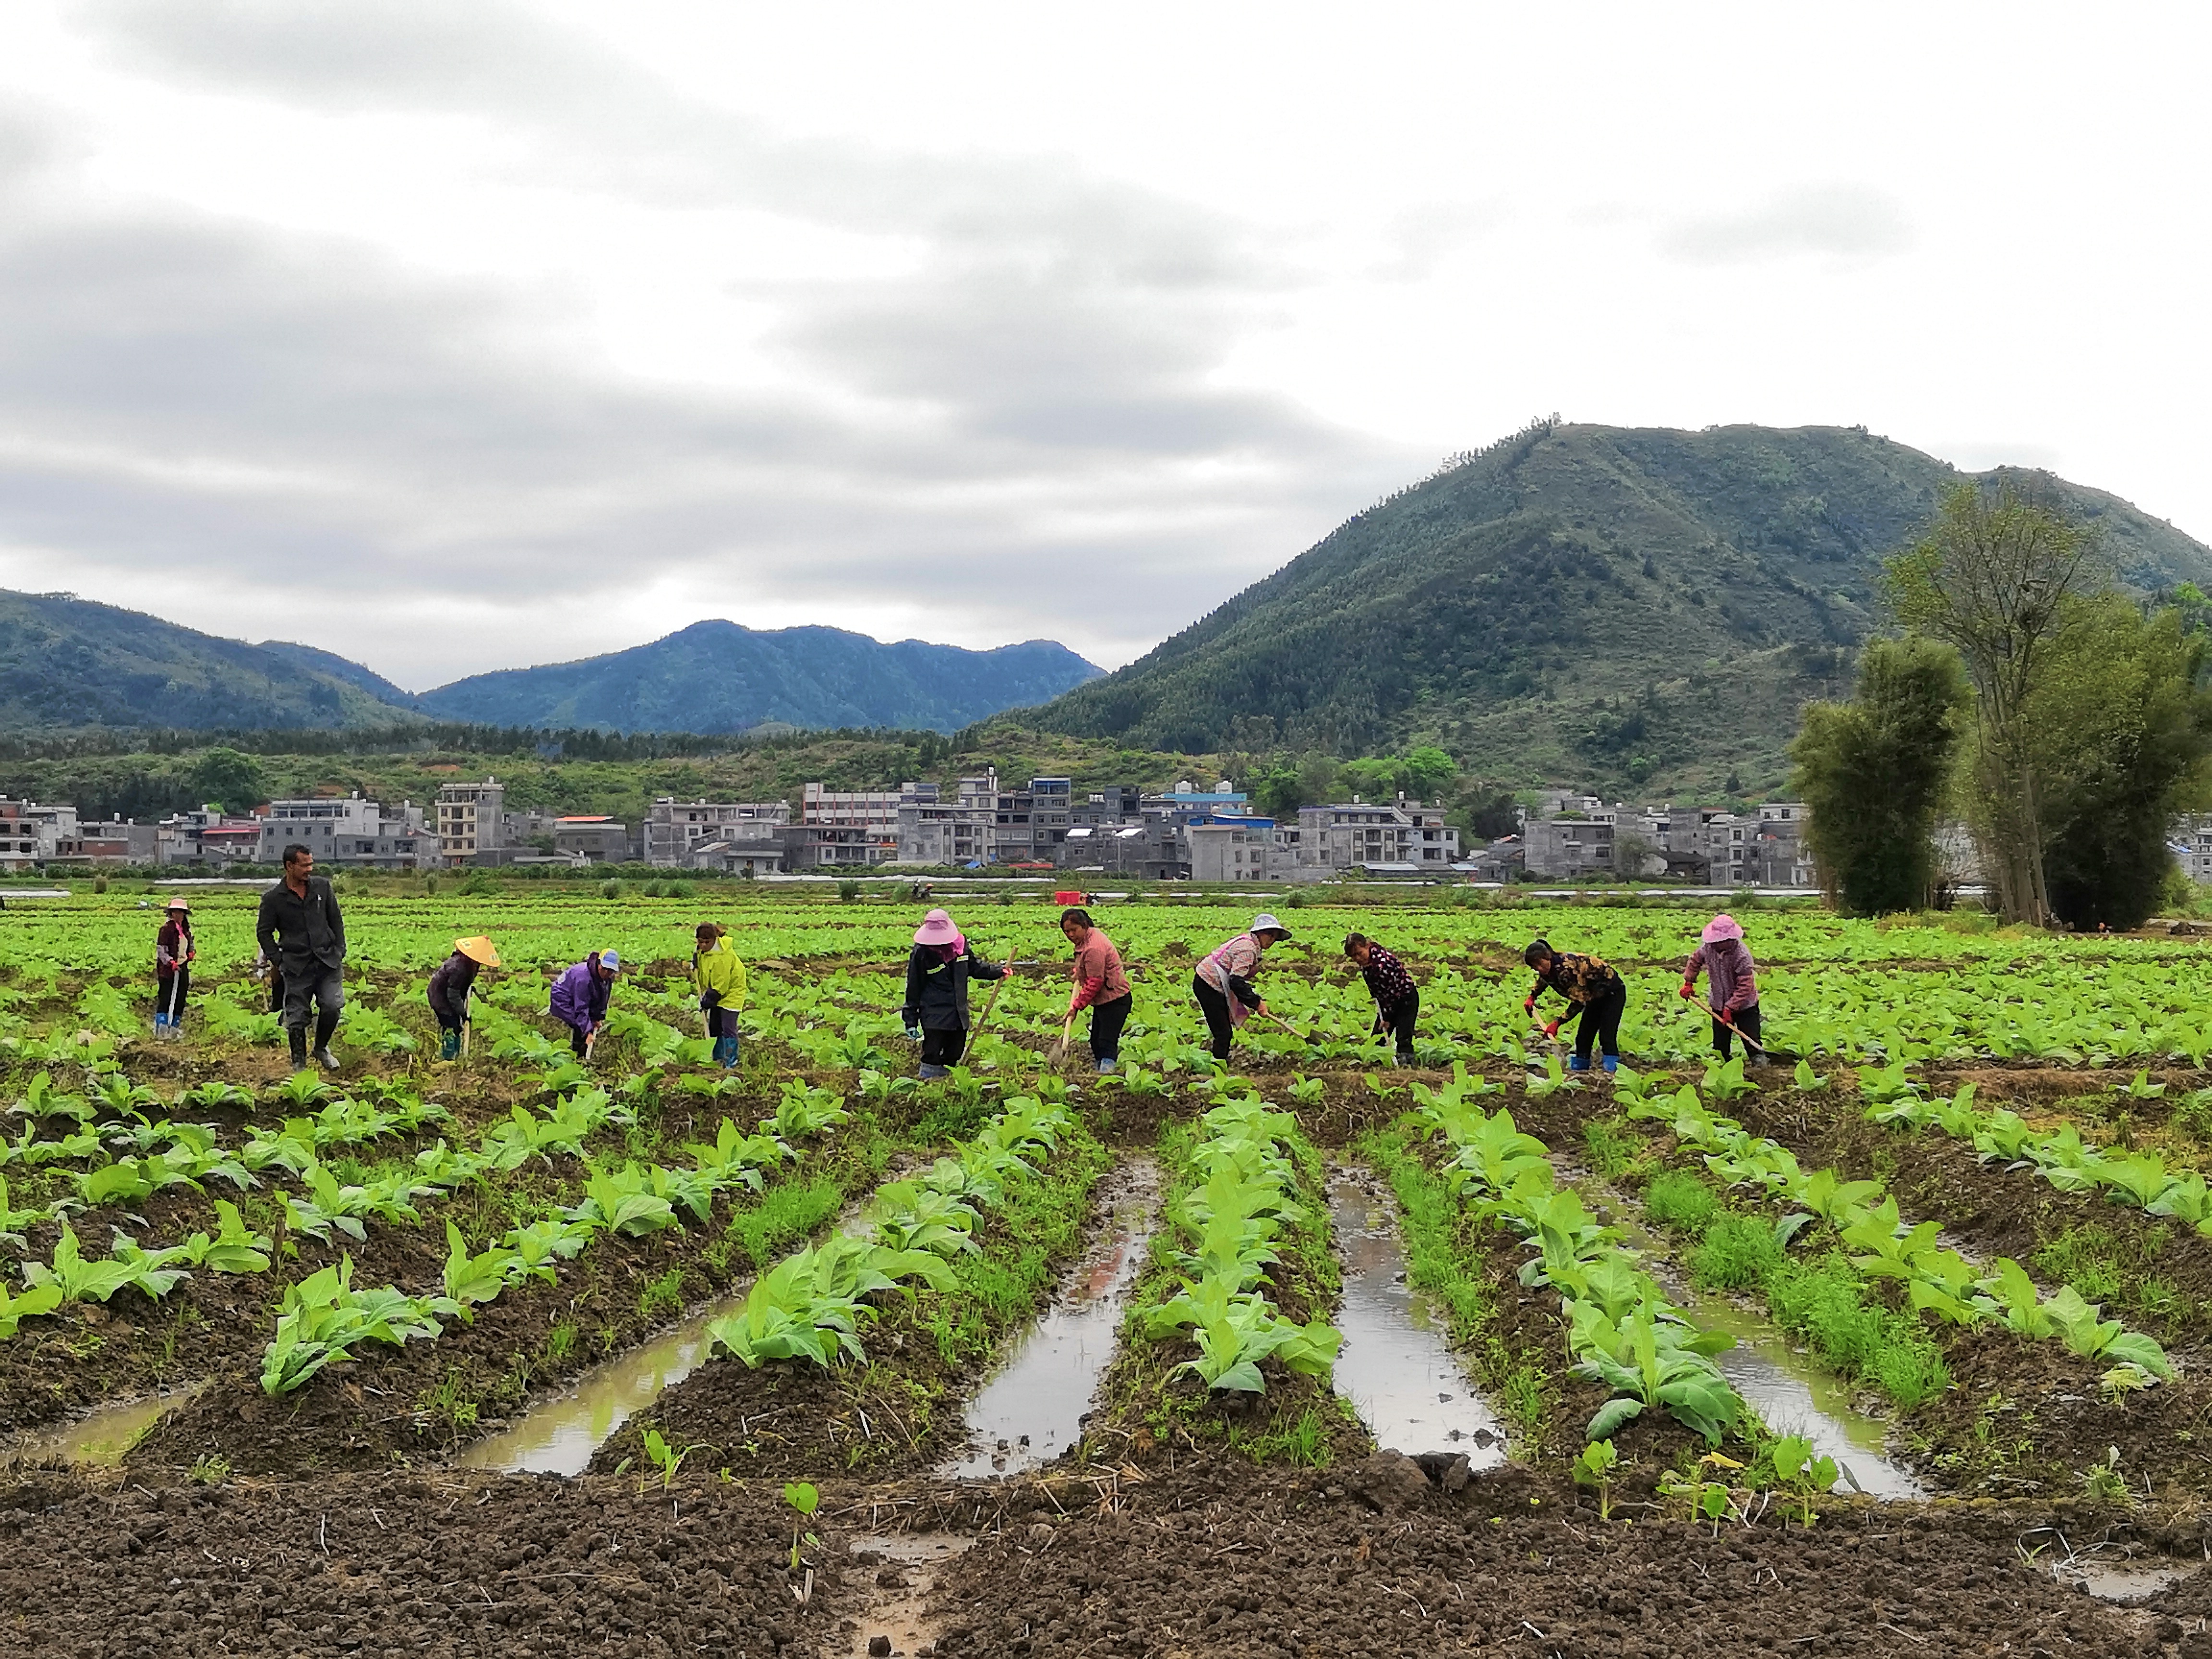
(274, 1349)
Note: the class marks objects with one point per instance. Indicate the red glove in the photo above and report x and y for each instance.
(1528, 1005)
(1552, 1029)
(1688, 990)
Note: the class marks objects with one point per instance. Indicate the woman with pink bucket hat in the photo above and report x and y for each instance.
(938, 970)
(1736, 986)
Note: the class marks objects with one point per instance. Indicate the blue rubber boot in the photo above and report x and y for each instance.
(1612, 1062)
(928, 1071)
(1105, 1067)
(1578, 1062)
(449, 1045)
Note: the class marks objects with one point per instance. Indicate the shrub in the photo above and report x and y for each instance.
(848, 890)
(610, 889)
(1738, 1253)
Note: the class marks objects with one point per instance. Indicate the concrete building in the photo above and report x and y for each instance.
(592, 839)
(124, 842)
(348, 831)
(471, 820)
(674, 827)
(1152, 848)
(1329, 841)
(1117, 803)
(842, 829)
(1231, 849)
(29, 832)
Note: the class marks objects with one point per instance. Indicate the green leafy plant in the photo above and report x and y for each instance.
(1802, 1472)
(802, 1497)
(664, 1456)
(1594, 1468)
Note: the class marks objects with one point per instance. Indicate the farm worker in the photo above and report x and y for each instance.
(1100, 985)
(173, 952)
(580, 996)
(938, 970)
(720, 979)
(451, 985)
(303, 934)
(1397, 999)
(1735, 985)
(1223, 983)
(1596, 993)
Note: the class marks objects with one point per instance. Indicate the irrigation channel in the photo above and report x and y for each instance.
(1032, 1410)
(1393, 1366)
(101, 1438)
(1791, 1394)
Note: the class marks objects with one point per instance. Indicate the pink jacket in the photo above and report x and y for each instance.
(1098, 975)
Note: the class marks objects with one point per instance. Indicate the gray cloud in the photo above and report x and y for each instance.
(1839, 222)
(1023, 428)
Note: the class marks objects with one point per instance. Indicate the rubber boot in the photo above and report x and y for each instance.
(1612, 1062)
(1106, 1065)
(299, 1036)
(449, 1045)
(327, 1022)
(726, 1052)
(929, 1072)
(1578, 1062)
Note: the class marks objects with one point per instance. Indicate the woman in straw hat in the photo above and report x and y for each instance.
(938, 970)
(173, 966)
(450, 986)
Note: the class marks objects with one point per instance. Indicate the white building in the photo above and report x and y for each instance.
(1225, 850)
(1330, 839)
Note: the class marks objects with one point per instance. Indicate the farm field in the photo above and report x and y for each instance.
(516, 1354)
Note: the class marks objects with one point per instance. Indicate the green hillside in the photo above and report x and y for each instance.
(68, 664)
(1643, 608)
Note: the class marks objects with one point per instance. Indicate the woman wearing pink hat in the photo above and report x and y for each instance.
(1736, 986)
(937, 974)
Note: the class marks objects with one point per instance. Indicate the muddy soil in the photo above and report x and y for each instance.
(1218, 1559)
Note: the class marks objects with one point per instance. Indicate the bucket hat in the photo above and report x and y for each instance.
(177, 904)
(937, 929)
(1721, 926)
(1266, 922)
(478, 949)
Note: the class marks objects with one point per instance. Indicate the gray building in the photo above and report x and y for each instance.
(1231, 849)
(470, 818)
(116, 842)
(1330, 841)
(593, 839)
(674, 827)
(347, 832)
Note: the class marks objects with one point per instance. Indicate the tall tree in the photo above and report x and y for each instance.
(2124, 726)
(1872, 774)
(1994, 577)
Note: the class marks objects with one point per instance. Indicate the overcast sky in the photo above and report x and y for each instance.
(454, 337)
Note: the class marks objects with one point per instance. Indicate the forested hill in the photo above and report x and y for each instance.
(719, 677)
(1637, 607)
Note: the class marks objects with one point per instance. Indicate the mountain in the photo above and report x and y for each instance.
(719, 677)
(1635, 607)
(67, 663)
(335, 667)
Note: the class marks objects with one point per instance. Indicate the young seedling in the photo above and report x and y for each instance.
(1594, 1468)
(666, 1457)
(1802, 1472)
(802, 1497)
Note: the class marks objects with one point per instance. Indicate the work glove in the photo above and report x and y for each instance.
(1688, 991)
(1529, 1005)
(709, 1002)
(1552, 1029)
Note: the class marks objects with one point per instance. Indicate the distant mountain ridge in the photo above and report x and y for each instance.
(719, 677)
(1642, 608)
(70, 664)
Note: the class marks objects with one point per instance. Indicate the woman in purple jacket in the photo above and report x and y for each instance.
(580, 995)
(1736, 986)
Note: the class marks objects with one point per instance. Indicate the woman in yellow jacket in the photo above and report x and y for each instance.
(720, 979)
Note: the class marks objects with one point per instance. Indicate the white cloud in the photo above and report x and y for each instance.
(453, 336)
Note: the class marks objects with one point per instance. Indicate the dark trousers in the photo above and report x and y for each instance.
(1746, 1020)
(578, 1035)
(1215, 1006)
(1107, 1019)
(943, 1048)
(1601, 1024)
(169, 995)
(721, 1023)
(313, 982)
(1400, 1022)
(275, 990)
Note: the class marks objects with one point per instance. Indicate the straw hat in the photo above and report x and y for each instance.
(1721, 926)
(476, 948)
(178, 904)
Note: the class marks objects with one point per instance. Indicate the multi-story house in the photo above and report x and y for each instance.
(472, 819)
(673, 828)
(345, 831)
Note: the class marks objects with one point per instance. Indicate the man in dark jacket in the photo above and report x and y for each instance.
(303, 932)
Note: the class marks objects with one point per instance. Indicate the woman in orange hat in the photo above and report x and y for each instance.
(450, 986)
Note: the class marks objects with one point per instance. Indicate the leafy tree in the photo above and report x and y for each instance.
(225, 775)
(1994, 577)
(1428, 772)
(1873, 773)
(2123, 731)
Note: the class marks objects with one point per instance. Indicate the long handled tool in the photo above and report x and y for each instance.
(168, 1021)
(992, 1001)
(1058, 1051)
(1749, 1041)
(467, 997)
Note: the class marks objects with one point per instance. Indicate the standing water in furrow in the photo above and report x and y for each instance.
(1394, 1367)
(1791, 1394)
(1032, 1410)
